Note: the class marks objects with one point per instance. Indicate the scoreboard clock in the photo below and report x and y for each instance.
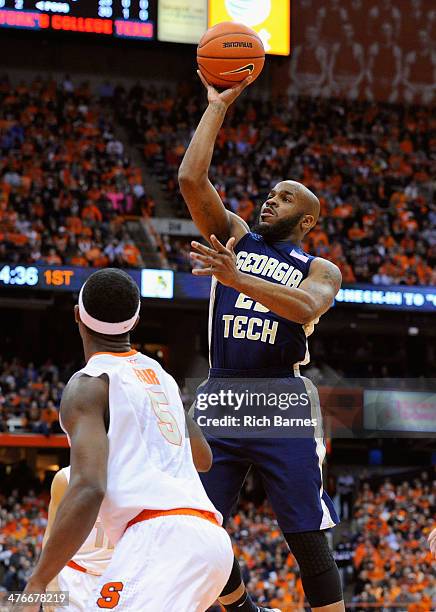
(152, 283)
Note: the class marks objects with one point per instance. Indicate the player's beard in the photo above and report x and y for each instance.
(280, 230)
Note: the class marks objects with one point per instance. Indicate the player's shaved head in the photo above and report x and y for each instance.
(307, 199)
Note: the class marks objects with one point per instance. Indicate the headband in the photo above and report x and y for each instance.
(103, 327)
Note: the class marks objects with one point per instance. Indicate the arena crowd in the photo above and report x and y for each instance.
(389, 563)
(66, 183)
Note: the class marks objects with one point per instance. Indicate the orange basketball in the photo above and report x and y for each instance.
(229, 52)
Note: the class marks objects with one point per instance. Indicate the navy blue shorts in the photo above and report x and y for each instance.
(288, 458)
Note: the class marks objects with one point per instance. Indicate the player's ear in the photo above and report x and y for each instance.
(307, 223)
(76, 313)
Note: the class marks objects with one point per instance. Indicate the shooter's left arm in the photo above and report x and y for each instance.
(302, 305)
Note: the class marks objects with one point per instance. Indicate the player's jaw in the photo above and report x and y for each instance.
(274, 226)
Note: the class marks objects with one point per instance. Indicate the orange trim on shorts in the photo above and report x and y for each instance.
(79, 568)
(127, 354)
(146, 515)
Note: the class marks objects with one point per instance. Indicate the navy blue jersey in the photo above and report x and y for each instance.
(243, 333)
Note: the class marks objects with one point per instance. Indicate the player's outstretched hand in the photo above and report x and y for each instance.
(226, 97)
(219, 261)
(432, 542)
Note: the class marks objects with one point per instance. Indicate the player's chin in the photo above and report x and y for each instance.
(267, 220)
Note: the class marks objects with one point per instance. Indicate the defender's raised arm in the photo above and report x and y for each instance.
(205, 205)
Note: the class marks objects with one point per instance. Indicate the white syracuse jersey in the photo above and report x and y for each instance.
(150, 464)
(96, 551)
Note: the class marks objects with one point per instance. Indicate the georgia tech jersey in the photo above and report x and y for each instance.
(243, 334)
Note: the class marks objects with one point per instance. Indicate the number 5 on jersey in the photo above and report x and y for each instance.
(166, 421)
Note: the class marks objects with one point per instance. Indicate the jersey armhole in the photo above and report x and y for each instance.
(311, 259)
(242, 240)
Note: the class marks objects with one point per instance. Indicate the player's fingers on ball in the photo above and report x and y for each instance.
(243, 84)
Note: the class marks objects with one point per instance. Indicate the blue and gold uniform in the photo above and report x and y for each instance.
(253, 351)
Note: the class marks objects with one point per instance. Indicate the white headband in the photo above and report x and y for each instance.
(103, 327)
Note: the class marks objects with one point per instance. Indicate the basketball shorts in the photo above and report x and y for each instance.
(166, 564)
(80, 587)
(282, 440)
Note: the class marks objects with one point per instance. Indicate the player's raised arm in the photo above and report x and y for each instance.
(205, 205)
(83, 409)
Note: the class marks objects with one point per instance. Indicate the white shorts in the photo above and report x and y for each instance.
(166, 564)
(80, 586)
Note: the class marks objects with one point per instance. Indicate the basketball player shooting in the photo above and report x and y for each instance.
(266, 296)
(133, 465)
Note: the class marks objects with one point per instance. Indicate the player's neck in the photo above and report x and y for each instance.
(103, 345)
(295, 239)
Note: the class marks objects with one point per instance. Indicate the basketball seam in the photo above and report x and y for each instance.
(230, 58)
(231, 34)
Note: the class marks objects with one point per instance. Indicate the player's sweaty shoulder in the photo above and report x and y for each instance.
(84, 391)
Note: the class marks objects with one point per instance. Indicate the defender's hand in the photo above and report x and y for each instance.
(219, 261)
(226, 97)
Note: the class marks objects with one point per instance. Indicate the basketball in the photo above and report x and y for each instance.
(229, 52)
